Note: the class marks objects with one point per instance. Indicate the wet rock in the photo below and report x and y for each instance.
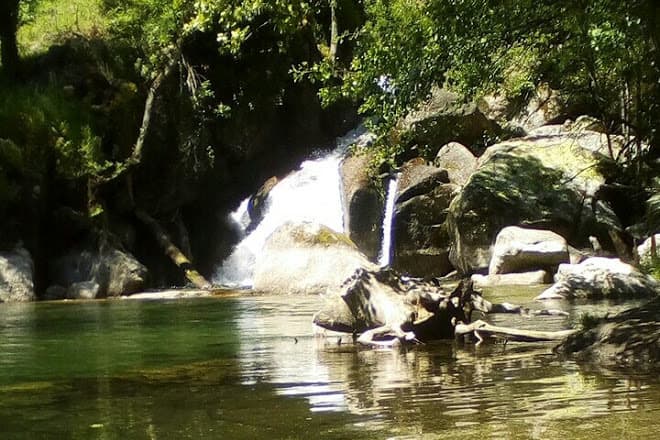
(513, 279)
(599, 277)
(459, 162)
(306, 258)
(363, 205)
(547, 182)
(520, 249)
(258, 205)
(627, 340)
(417, 178)
(16, 276)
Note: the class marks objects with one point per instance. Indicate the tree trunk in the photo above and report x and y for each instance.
(334, 31)
(8, 44)
(482, 330)
(172, 251)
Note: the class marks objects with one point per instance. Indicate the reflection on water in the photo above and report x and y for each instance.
(252, 368)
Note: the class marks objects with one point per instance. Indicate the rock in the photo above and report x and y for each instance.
(362, 204)
(83, 290)
(54, 292)
(645, 250)
(258, 205)
(546, 182)
(421, 243)
(16, 276)
(116, 272)
(459, 162)
(627, 340)
(520, 249)
(587, 123)
(599, 277)
(417, 178)
(545, 105)
(444, 118)
(513, 279)
(306, 258)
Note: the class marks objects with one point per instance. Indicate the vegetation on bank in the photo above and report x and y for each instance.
(108, 106)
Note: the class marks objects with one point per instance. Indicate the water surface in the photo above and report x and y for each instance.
(252, 367)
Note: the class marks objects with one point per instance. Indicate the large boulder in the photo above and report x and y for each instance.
(115, 272)
(421, 245)
(599, 277)
(532, 278)
(306, 258)
(628, 339)
(444, 118)
(362, 205)
(459, 162)
(548, 181)
(16, 276)
(520, 249)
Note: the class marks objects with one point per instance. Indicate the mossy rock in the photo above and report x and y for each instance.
(548, 182)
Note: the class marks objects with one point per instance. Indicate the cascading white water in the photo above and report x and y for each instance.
(312, 193)
(386, 247)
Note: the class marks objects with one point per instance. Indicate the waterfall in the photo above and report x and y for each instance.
(311, 193)
(386, 248)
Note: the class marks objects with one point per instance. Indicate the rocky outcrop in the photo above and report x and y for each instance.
(520, 249)
(459, 162)
(115, 272)
(421, 246)
(306, 258)
(599, 277)
(16, 276)
(627, 340)
(362, 205)
(445, 118)
(548, 180)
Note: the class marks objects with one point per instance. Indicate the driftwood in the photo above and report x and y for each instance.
(482, 330)
(386, 310)
(172, 251)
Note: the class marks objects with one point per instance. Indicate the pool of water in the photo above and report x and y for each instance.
(250, 367)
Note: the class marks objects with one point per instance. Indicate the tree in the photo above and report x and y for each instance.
(9, 14)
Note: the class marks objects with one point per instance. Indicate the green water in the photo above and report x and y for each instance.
(252, 367)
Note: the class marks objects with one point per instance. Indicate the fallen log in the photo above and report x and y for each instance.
(482, 330)
(172, 251)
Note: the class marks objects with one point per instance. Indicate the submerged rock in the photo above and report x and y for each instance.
(16, 276)
(520, 249)
(630, 339)
(599, 277)
(541, 181)
(306, 258)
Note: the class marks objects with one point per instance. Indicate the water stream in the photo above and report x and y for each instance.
(251, 367)
(385, 255)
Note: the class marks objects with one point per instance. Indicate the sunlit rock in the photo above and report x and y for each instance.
(599, 277)
(306, 258)
(520, 249)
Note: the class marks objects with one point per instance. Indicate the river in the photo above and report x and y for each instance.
(246, 367)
